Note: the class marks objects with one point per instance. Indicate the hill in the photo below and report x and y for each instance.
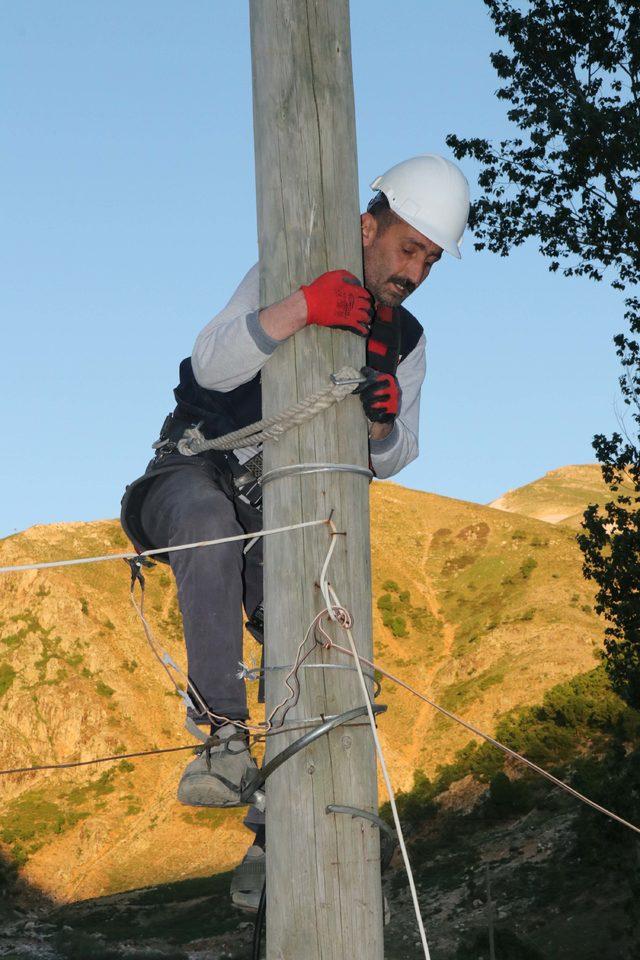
(484, 609)
(560, 496)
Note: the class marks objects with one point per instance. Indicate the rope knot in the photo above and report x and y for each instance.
(190, 442)
(342, 616)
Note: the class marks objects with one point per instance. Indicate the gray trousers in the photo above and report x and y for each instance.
(189, 504)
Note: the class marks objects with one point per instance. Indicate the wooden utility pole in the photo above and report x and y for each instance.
(324, 897)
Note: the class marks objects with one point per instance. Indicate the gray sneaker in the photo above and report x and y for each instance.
(218, 783)
(248, 880)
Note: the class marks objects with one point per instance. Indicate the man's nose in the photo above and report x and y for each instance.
(416, 274)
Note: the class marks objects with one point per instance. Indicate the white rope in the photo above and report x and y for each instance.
(335, 610)
(151, 553)
(272, 428)
(390, 793)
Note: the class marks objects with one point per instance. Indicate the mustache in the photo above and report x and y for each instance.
(404, 282)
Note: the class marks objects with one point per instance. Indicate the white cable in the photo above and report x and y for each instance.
(151, 553)
(324, 585)
(385, 774)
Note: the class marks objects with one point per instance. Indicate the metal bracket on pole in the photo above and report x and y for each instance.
(365, 815)
(388, 839)
(254, 786)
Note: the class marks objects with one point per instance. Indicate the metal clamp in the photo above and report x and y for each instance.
(297, 469)
(365, 815)
(343, 381)
(388, 839)
(258, 781)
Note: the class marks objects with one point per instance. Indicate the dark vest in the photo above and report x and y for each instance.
(221, 412)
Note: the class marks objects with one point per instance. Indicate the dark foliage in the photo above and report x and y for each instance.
(570, 180)
(571, 74)
(611, 548)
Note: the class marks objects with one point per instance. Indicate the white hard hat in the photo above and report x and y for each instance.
(432, 195)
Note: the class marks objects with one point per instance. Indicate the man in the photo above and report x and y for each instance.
(419, 211)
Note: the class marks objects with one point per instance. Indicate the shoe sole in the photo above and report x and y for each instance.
(247, 906)
(199, 795)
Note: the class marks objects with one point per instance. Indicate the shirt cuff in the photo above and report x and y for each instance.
(377, 447)
(260, 337)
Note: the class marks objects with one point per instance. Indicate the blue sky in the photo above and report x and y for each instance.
(128, 217)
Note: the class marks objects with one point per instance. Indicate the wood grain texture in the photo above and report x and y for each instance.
(323, 870)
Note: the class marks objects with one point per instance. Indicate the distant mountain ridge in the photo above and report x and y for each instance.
(480, 607)
(560, 496)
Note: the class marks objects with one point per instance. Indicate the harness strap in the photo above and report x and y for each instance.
(383, 344)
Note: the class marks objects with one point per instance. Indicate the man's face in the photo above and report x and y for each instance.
(396, 260)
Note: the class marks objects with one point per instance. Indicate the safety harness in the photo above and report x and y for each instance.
(383, 343)
(394, 334)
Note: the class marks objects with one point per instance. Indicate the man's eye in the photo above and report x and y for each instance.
(408, 252)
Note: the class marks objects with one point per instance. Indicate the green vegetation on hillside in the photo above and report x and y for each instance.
(210, 817)
(459, 694)
(26, 627)
(104, 689)
(7, 676)
(31, 819)
(403, 618)
(578, 719)
(28, 821)
(493, 578)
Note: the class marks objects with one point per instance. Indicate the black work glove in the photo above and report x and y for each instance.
(380, 396)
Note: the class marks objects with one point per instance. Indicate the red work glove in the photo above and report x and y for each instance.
(380, 396)
(337, 299)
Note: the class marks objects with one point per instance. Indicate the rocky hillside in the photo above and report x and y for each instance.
(483, 608)
(562, 878)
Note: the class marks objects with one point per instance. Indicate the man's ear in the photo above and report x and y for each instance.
(369, 226)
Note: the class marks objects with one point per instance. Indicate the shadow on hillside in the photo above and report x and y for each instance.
(17, 897)
(157, 922)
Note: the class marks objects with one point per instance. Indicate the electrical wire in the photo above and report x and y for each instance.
(152, 553)
(489, 739)
(85, 763)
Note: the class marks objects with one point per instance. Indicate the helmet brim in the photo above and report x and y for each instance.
(432, 233)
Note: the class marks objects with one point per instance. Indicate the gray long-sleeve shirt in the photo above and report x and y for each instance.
(233, 347)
